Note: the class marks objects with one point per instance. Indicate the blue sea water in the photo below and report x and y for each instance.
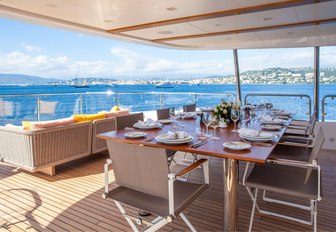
(25, 108)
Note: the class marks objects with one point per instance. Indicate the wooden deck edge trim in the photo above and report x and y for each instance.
(246, 30)
(217, 14)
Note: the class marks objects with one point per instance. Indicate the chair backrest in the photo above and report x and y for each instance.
(141, 168)
(128, 120)
(319, 140)
(189, 108)
(163, 113)
(311, 126)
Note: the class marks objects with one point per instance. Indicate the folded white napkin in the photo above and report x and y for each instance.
(254, 133)
(268, 118)
(148, 122)
(174, 135)
(189, 115)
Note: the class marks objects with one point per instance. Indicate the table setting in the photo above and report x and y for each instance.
(148, 124)
(256, 135)
(174, 138)
(268, 119)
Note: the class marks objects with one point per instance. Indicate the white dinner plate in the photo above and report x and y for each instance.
(137, 125)
(270, 127)
(187, 139)
(258, 139)
(164, 121)
(237, 146)
(135, 134)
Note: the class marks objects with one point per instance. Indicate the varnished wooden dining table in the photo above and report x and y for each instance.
(257, 153)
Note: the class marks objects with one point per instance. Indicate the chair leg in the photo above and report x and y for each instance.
(253, 209)
(185, 219)
(315, 215)
(122, 210)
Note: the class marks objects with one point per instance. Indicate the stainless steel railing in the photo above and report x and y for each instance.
(281, 96)
(32, 106)
(324, 104)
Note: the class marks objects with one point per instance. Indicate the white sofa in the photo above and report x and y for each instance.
(43, 149)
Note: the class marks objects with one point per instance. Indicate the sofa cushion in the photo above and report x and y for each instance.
(88, 117)
(52, 123)
(46, 124)
(115, 109)
(117, 113)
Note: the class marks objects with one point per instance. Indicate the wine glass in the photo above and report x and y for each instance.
(246, 116)
(215, 121)
(234, 118)
(206, 118)
(172, 116)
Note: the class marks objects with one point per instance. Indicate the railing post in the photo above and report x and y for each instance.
(195, 98)
(38, 108)
(117, 101)
(81, 104)
(161, 101)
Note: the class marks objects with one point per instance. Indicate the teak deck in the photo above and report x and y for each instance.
(71, 201)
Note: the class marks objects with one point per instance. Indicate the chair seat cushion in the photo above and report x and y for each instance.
(170, 153)
(296, 132)
(291, 153)
(184, 193)
(284, 179)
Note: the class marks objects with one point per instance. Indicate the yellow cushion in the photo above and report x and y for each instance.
(26, 125)
(88, 117)
(115, 109)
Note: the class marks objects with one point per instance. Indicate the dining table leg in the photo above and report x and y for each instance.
(230, 179)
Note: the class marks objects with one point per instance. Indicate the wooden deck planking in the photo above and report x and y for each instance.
(72, 201)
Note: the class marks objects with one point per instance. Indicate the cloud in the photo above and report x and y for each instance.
(132, 63)
(31, 48)
(126, 63)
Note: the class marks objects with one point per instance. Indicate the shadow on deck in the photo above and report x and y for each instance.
(72, 200)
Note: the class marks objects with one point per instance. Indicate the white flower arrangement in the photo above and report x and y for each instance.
(223, 109)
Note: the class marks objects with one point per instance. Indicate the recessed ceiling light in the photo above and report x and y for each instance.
(290, 33)
(218, 24)
(228, 38)
(171, 8)
(108, 20)
(165, 32)
(268, 18)
(52, 5)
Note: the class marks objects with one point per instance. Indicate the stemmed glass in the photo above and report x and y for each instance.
(206, 118)
(173, 117)
(234, 118)
(246, 116)
(215, 121)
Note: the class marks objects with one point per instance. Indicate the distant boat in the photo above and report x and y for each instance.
(79, 84)
(82, 85)
(165, 84)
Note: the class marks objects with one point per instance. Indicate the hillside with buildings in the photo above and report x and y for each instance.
(265, 76)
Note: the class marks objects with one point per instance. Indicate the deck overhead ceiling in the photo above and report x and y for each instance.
(189, 24)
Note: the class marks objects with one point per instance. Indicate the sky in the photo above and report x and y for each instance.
(52, 53)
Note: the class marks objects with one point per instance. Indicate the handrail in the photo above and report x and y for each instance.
(117, 96)
(281, 95)
(111, 93)
(332, 96)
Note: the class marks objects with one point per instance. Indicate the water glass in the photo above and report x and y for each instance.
(234, 117)
(215, 121)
